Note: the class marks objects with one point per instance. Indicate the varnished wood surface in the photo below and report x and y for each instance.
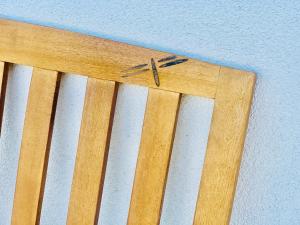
(66, 51)
(104, 62)
(154, 157)
(92, 152)
(225, 147)
(34, 148)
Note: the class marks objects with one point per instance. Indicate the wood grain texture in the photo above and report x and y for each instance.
(92, 152)
(34, 148)
(104, 62)
(154, 156)
(66, 51)
(225, 145)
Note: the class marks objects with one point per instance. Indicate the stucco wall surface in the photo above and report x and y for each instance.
(261, 36)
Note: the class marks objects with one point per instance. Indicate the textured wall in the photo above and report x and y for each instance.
(261, 36)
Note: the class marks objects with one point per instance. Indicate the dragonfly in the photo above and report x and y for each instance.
(165, 62)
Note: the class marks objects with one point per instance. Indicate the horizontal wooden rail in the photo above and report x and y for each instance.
(66, 51)
(107, 63)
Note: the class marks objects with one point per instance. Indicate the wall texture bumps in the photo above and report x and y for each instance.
(261, 36)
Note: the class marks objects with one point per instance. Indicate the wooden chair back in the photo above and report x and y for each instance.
(52, 52)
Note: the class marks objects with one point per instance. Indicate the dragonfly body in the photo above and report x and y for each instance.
(141, 68)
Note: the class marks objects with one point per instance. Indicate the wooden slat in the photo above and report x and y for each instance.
(154, 156)
(225, 145)
(3, 84)
(35, 147)
(92, 152)
(65, 51)
(1, 73)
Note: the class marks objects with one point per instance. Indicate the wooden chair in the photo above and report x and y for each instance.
(107, 63)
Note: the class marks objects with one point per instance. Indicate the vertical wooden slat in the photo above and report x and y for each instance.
(1, 73)
(154, 156)
(35, 147)
(3, 84)
(92, 152)
(224, 150)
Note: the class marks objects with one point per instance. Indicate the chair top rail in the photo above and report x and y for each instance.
(66, 51)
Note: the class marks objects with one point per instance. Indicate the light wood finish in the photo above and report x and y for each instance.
(225, 145)
(34, 148)
(92, 152)
(65, 51)
(1, 73)
(3, 84)
(104, 62)
(154, 156)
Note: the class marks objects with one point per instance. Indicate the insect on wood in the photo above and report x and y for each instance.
(141, 68)
(52, 52)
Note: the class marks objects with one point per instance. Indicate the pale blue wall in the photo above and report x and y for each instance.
(261, 36)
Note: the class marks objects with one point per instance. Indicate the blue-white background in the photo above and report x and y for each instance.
(261, 36)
